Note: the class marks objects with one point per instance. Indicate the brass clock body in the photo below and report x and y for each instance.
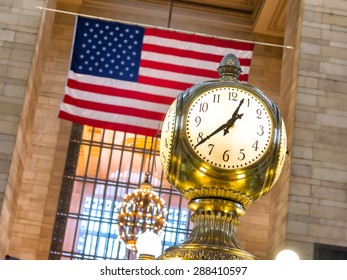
(223, 145)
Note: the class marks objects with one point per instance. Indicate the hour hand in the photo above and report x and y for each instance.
(226, 130)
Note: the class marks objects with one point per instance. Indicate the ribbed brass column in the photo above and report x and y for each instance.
(214, 233)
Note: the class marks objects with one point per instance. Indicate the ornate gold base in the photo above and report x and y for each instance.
(213, 236)
(146, 257)
(201, 252)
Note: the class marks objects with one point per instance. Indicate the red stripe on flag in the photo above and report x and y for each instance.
(109, 125)
(102, 107)
(163, 83)
(179, 69)
(243, 77)
(190, 54)
(181, 52)
(194, 38)
(119, 92)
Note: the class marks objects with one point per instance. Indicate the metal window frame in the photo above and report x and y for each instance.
(69, 179)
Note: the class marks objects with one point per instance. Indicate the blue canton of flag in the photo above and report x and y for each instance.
(107, 50)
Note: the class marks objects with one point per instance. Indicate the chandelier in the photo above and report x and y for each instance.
(141, 211)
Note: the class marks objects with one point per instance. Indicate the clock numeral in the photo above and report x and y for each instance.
(242, 154)
(197, 120)
(248, 102)
(203, 107)
(200, 137)
(211, 146)
(255, 146)
(259, 113)
(168, 127)
(226, 155)
(261, 131)
(166, 144)
(216, 98)
(233, 96)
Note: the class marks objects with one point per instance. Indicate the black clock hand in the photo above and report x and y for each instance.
(234, 117)
(225, 126)
(210, 135)
(232, 121)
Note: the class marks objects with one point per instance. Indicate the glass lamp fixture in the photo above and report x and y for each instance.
(140, 212)
(287, 255)
(148, 246)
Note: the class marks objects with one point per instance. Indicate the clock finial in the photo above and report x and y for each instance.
(229, 67)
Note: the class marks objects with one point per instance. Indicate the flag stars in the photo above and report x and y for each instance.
(108, 49)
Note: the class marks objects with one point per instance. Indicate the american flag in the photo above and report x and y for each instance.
(124, 77)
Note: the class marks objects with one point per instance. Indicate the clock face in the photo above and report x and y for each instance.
(229, 127)
(166, 137)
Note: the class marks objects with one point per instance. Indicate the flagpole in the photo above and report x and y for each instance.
(146, 25)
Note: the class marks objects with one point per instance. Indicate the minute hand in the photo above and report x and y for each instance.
(213, 133)
(234, 117)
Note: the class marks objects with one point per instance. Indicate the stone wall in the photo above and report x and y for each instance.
(317, 210)
(19, 25)
(19, 61)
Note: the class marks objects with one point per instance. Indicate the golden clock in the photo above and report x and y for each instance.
(223, 146)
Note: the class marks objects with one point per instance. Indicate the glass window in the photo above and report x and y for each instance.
(102, 166)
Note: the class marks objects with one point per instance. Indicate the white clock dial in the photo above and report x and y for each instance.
(229, 127)
(166, 137)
